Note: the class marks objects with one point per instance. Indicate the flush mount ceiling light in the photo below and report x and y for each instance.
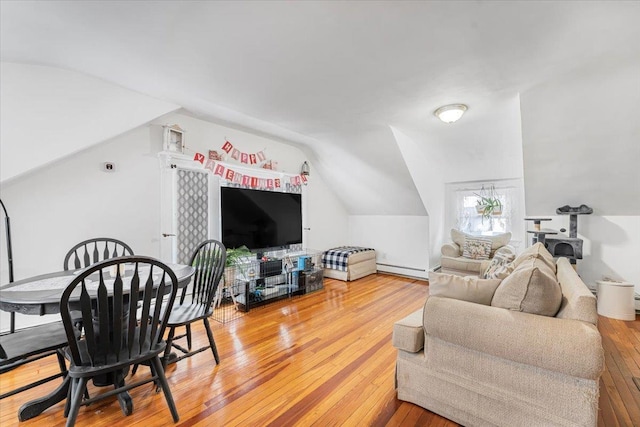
(450, 113)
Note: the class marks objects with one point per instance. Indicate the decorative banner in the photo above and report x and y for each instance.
(199, 157)
(246, 158)
(213, 155)
(246, 180)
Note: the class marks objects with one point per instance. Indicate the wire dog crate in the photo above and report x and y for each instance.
(253, 283)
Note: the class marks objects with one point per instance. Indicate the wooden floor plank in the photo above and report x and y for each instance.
(322, 359)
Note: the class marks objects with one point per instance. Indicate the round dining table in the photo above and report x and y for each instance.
(40, 295)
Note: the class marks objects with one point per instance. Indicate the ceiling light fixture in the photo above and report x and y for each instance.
(450, 113)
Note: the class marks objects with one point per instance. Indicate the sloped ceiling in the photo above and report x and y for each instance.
(49, 113)
(331, 76)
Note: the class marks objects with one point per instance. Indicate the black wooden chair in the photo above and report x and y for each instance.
(208, 260)
(31, 344)
(124, 322)
(93, 250)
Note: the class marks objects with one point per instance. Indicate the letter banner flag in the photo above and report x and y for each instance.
(276, 182)
(227, 147)
(237, 178)
(254, 181)
(219, 170)
(296, 180)
(261, 156)
(244, 157)
(210, 165)
(229, 175)
(246, 180)
(199, 157)
(252, 159)
(269, 183)
(235, 154)
(304, 178)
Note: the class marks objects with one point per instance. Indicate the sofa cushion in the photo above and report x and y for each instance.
(476, 248)
(500, 267)
(536, 251)
(497, 241)
(408, 333)
(532, 288)
(469, 288)
(565, 346)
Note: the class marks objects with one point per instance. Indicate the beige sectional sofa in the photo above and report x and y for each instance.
(484, 365)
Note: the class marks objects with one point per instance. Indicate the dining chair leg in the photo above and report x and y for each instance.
(212, 343)
(188, 327)
(67, 401)
(77, 391)
(165, 388)
(167, 350)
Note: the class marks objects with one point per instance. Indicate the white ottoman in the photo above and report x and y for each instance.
(616, 300)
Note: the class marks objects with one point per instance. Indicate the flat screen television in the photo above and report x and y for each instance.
(260, 220)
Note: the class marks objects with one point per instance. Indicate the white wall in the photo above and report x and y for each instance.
(581, 139)
(485, 145)
(325, 216)
(573, 155)
(610, 246)
(53, 208)
(48, 113)
(72, 200)
(400, 241)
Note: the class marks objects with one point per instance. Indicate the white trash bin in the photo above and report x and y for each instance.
(616, 300)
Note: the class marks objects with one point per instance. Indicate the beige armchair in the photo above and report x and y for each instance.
(453, 261)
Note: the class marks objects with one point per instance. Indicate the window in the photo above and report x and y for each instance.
(470, 220)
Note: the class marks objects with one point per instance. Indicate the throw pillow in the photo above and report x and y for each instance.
(497, 241)
(500, 267)
(476, 248)
(531, 289)
(468, 288)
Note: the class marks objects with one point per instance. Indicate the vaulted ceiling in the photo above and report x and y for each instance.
(330, 76)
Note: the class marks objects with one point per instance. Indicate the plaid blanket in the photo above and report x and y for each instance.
(337, 258)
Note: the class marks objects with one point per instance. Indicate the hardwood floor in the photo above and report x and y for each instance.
(318, 360)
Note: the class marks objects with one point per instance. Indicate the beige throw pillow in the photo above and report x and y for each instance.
(497, 241)
(531, 288)
(476, 248)
(500, 267)
(469, 288)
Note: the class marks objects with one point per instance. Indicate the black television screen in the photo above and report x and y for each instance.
(260, 219)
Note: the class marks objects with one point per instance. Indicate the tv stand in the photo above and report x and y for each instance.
(284, 274)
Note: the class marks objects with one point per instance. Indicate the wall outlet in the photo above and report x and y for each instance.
(109, 167)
